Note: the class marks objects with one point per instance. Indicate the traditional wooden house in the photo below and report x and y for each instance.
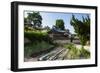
(58, 34)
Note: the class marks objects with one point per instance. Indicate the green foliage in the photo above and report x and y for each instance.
(37, 36)
(82, 28)
(69, 46)
(25, 20)
(26, 28)
(84, 53)
(76, 53)
(83, 39)
(60, 24)
(36, 47)
(47, 28)
(73, 52)
(34, 18)
(33, 35)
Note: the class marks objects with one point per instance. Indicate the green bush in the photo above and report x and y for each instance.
(84, 53)
(73, 52)
(36, 47)
(76, 53)
(37, 36)
(26, 28)
(70, 46)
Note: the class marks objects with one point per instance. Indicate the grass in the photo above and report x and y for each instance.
(36, 47)
(40, 41)
(76, 53)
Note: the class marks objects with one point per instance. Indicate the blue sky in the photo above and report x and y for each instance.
(49, 18)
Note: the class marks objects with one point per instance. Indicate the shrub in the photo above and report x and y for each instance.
(70, 46)
(76, 53)
(73, 52)
(84, 53)
(37, 36)
(36, 47)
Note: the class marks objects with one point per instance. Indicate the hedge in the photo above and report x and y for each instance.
(37, 36)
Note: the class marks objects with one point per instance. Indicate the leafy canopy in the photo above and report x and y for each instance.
(82, 28)
(34, 18)
(60, 24)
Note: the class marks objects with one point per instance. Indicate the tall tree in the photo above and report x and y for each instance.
(47, 27)
(60, 24)
(82, 28)
(35, 19)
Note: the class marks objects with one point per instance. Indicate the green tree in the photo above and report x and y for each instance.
(34, 18)
(82, 28)
(60, 24)
(25, 20)
(47, 28)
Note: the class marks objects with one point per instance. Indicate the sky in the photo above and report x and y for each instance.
(49, 18)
